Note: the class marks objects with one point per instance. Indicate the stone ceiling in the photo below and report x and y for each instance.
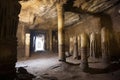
(43, 14)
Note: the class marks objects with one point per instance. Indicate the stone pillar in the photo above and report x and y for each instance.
(84, 58)
(75, 51)
(93, 45)
(47, 40)
(27, 45)
(71, 46)
(79, 43)
(9, 10)
(105, 44)
(61, 51)
(21, 40)
(50, 40)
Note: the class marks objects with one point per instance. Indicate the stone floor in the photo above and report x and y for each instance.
(45, 66)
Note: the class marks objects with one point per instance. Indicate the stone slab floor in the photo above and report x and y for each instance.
(45, 66)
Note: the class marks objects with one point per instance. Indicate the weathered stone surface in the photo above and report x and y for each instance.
(84, 52)
(9, 10)
(44, 12)
(105, 44)
(43, 15)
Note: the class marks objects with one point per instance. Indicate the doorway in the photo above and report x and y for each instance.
(37, 41)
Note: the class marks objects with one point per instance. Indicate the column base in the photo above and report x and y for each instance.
(62, 60)
(84, 60)
(84, 66)
(62, 56)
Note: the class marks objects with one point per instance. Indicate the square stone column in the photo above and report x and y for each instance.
(84, 46)
(61, 45)
(27, 45)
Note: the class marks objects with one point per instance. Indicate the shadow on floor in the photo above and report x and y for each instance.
(22, 74)
(72, 64)
(111, 68)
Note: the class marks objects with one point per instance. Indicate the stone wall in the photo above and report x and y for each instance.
(115, 18)
(9, 10)
(21, 31)
(94, 23)
(88, 25)
(21, 41)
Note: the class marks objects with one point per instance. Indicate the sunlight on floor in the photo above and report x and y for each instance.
(39, 64)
